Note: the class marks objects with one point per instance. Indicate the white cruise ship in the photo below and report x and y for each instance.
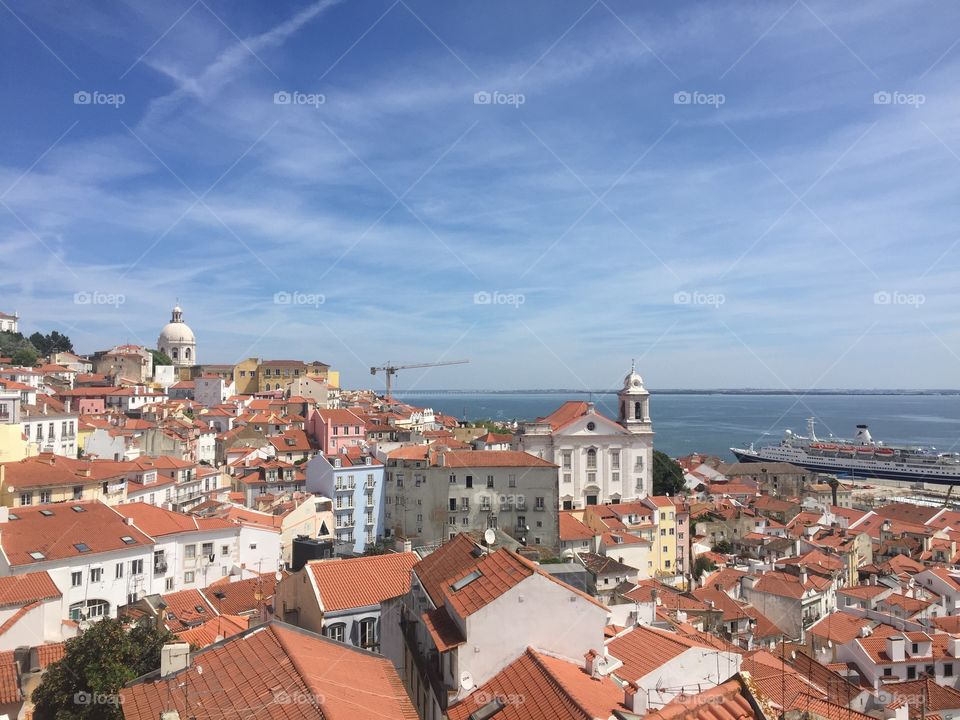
(861, 457)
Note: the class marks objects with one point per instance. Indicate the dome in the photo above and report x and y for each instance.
(633, 381)
(177, 332)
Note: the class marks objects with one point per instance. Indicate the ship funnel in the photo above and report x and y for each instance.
(863, 435)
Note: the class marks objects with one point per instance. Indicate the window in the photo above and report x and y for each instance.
(948, 669)
(453, 478)
(887, 672)
(44, 496)
(453, 503)
(76, 579)
(489, 481)
(567, 459)
(208, 549)
(469, 481)
(188, 577)
(911, 672)
(189, 551)
(136, 567)
(592, 459)
(615, 459)
(26, 498)
(335, 632)
(78, 492)
(512, 480)
(118, 570)
(452, 520)
(539, 503)
(96, 574)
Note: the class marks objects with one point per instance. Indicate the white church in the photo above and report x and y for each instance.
(601, 461)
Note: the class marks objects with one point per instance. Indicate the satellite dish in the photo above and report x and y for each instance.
(466, 680)
(489, 536)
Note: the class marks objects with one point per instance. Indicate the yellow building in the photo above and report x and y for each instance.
(12, 445)
(48, 478)
(246, 377)
(277, 374)
(664, 550)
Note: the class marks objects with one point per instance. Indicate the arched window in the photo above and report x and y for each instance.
(638, 411)
(173, 354)
(335, 632)
(89, 610)
(592, 459)
(267, 386)
(186, 353)
(368, 633)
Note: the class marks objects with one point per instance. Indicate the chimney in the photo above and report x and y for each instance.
(953, 646)
(896, 648)
(128, 520)
(591, 664)
(174, 657)
(804, 577)
(634, 699)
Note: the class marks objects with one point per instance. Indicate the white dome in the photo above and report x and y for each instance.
(176, 332)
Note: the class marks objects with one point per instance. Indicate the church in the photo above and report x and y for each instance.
(177, 341)
(601, 461)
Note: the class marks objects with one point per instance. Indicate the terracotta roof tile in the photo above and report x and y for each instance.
(363, 581)
(9, 679)
(27, 588)
(280, 671)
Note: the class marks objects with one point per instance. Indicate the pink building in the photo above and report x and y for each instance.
(336, 429)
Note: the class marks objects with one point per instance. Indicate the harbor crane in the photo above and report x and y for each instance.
(390, 370)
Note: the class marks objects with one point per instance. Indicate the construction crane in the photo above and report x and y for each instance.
(390, 370)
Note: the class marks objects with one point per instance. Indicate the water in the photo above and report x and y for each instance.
(714, 423)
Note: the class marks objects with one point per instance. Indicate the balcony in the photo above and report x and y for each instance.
(159, 568)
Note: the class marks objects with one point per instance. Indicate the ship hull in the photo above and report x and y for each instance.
(854, 469)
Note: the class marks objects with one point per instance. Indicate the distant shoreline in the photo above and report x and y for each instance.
(672, 391)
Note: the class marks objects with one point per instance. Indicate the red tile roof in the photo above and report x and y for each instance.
(158, 522)
(56, 536)
(571, 528)
(186, 609)
(644, 649)
(540, 687)
(363, 581)
(442, 628)
(51, 653)
(213, 630)
(724, 702)
(569, 411)
(239, 597)
(278, 671)
(9, 679)
(16, 590)
(450, 559)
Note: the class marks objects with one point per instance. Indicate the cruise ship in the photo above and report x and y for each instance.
(861, 457)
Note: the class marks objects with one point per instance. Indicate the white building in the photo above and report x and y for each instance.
(177, 340)
(9, 323)
(601, 461)
(210, 390)
(49, 428)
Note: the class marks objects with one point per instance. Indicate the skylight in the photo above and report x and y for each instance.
(77, 508)
(127, 540)
(466, 580)
(38, 555)
(13, 516)
(82, 547)
(46, 513)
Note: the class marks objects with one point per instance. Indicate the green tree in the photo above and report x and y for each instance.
(667, 475)
(703, 565)
(98, 662)
(161, 358)
(723, 547)
(53, 342)
(25, 356)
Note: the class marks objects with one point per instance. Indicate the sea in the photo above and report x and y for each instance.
(713, 423)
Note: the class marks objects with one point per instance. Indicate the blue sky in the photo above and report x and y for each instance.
(755, 194)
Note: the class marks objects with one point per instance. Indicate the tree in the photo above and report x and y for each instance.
(667, 475)
(25, 356)
(702, 565)
(723, 547)
(98, 662)
(161, 358)
(54, 342)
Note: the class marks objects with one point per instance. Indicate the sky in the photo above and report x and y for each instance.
(751, 194)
